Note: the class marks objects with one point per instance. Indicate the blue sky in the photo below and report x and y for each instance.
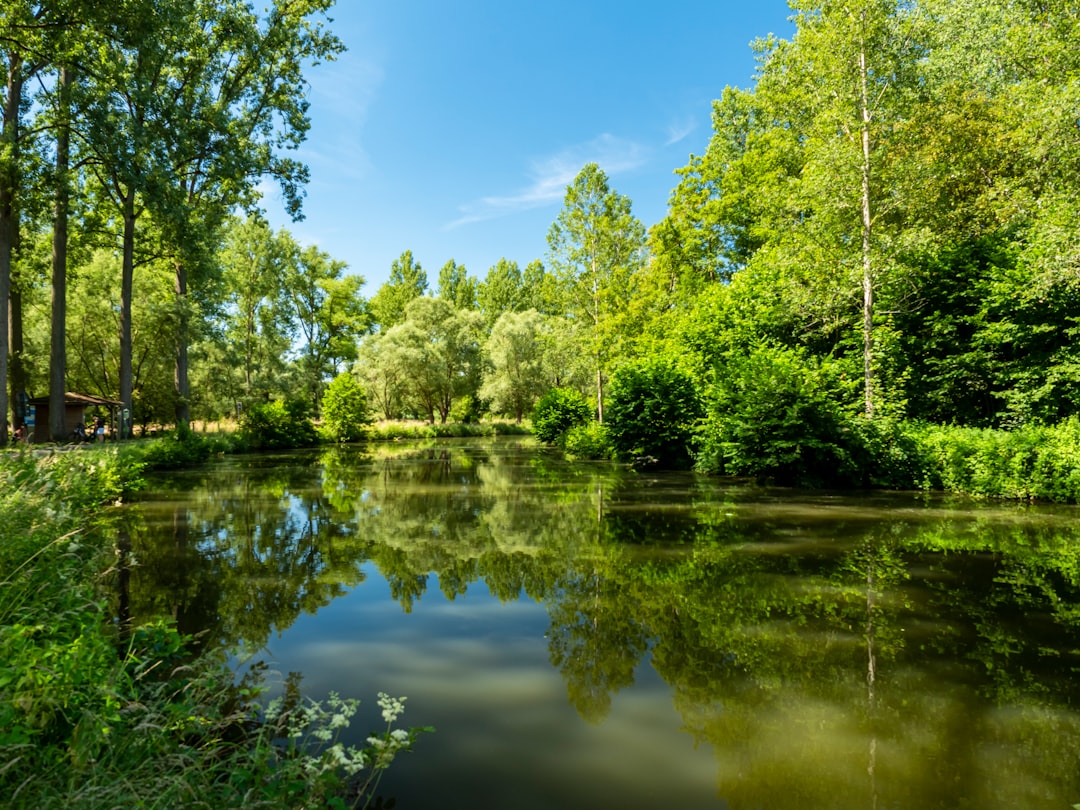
(453, 128)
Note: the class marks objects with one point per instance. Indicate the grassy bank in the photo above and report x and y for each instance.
(95, 713)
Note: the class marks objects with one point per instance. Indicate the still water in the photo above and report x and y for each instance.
(585, 636)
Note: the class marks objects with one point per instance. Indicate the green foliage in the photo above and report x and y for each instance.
(1035, 462)
(278, 424)
(344, 409)
(466, 410)
(396, 431)
(176, 449)
(557, 412)
(652, 410)
(590, 440)
(776, 415)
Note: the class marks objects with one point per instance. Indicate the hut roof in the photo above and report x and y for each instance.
(78, 399)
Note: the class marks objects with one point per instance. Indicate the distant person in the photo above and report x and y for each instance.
(20, 434)
(99, 428)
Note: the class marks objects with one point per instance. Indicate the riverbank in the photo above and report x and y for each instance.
(97, 713)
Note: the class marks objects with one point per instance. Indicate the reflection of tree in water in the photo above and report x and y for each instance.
(798, 644)
(240, 554)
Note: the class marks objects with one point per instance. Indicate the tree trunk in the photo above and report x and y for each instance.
(126, 284)
(183, 391)
(58, 326)
(867, 267)
(17, 358)
(9, 173)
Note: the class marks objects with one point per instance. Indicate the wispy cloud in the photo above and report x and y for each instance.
(550, 176)
(680, 130)
(345, 89)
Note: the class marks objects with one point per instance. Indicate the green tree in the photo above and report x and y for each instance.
(344, 409)
(382, 368)
(515, 376)
(457, 286)
(596, 246)
(407, 281)
(258, 317)
(441, 345)
(330, 313)
(501, 291)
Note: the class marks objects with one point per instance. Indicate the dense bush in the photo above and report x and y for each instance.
(174, 450)
(1034, 462)
(278, 424)
(652, 411)
(587, 441)
(557, 411)
(345, 411)
(776, 415)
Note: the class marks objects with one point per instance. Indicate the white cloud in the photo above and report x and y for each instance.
(551, 175)
(680, 131)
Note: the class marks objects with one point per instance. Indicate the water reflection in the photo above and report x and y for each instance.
(883, 651)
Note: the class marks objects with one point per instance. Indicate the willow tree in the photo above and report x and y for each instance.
(596, 246)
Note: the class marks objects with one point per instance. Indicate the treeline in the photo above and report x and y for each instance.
(880, 232)
(131, 131)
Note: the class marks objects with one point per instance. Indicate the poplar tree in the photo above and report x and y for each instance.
(596, 245)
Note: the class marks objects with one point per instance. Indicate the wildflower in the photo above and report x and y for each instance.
(392, 708)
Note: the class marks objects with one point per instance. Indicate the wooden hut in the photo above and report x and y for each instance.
(75, 406)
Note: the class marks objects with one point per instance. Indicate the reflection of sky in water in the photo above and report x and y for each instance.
(757, 606)
(507, 736)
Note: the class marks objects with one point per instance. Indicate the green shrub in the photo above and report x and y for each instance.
(776, 415)
(345, 409)
(278, 424)
(557, 411)
(466, 410)
(1033, 462)
(652, 411)
(177, 449)
(587, 441)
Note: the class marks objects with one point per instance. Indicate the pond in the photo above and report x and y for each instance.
(586, 636)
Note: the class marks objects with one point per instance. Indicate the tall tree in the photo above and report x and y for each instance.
(246, 100)
(501, 291)
(407, 281)
(28, 31)
(457, 286)
(258, 316)
(596, 247)
(330, 313)
(442, 347)
(516, 376)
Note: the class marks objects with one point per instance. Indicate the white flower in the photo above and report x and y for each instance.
(339, 720)
(392, 707)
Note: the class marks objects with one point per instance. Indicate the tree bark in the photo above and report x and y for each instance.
(126, 284)
(183, 389)
(58, 325)
(9, 138)
(867, 221)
